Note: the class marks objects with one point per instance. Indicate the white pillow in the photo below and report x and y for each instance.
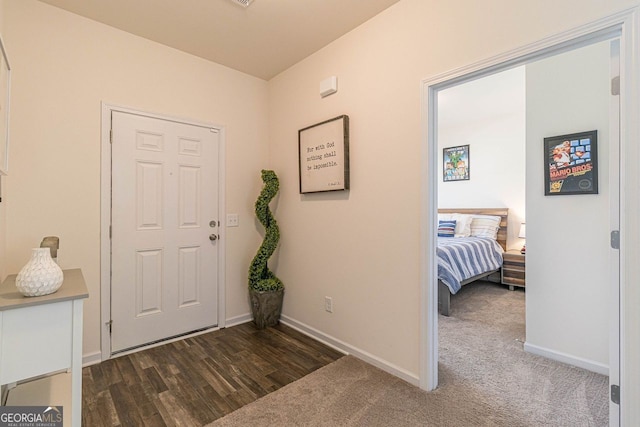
(485, 226)
(463, 223)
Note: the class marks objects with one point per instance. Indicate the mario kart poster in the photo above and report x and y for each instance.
(571, 164)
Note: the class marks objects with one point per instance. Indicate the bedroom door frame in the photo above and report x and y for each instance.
(623, 26)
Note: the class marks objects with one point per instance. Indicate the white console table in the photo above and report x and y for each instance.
(43, 335)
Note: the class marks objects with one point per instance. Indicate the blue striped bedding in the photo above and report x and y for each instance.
(460, 258)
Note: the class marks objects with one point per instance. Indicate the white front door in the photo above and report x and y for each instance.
(164, 213)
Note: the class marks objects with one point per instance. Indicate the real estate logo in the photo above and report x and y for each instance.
(30, 416)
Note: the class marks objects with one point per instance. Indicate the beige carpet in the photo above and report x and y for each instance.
(485, 380)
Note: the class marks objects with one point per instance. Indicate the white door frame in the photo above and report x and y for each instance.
(626, 26)
(105, 219)
(615, 208)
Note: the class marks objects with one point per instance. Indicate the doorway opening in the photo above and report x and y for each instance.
(485, 120)
(618, 27)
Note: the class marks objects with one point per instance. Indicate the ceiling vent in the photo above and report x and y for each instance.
(243, 3)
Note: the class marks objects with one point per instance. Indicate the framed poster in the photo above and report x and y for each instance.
(571, 164)
(455, 163)
(323, 156)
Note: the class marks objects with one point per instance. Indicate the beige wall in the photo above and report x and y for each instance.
(64, 66)
(361, 247)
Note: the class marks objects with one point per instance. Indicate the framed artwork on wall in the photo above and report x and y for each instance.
(571, 164)
(455, 163)
(323, 156)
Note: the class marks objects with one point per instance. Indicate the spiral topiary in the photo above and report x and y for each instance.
(260, 277)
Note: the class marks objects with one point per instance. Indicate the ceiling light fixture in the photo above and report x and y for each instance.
(243, 3)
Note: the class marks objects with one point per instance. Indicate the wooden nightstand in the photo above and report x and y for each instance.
(513, 269)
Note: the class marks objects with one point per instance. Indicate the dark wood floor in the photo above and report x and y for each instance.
(198, 380)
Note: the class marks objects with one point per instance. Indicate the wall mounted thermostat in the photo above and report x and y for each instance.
(328, 86)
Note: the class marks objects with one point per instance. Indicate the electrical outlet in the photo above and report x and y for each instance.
(233, 220)
(328, 304)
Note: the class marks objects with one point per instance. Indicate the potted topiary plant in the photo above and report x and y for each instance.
(266, 291)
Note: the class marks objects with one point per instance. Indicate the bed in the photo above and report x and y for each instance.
(463, 260)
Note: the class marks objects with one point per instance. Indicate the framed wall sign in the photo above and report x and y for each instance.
(571, 164)
(323, 155)
(455, 166)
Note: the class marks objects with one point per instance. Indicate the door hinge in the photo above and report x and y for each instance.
(109, 231)
(109, 325)
(615, 394)
(111, 136)
(615, 239)
(615, 86)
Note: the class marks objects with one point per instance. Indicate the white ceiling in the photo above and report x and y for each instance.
(262, 40)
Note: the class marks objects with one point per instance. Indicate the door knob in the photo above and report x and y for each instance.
(213, 237)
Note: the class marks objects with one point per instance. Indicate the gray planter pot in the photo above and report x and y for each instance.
(266, 307)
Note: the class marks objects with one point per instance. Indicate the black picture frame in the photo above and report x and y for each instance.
(456, 163)
(571, 164)
(323, 156)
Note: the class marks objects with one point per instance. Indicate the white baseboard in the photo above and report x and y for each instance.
(238, 320)
(351, 350)
(91, 358)
(569, 359)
